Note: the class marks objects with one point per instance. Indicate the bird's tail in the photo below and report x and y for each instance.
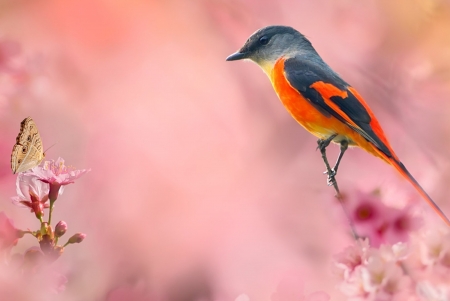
(405, 173)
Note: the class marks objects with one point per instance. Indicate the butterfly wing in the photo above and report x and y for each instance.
(28, 150)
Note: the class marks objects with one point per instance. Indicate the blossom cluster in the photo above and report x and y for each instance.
(397, 260)
(37, 190)
(380, 223)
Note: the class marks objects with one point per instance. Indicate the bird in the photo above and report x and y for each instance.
(319, 99)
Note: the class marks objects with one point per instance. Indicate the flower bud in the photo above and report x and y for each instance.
(76, 238)
(60, 228)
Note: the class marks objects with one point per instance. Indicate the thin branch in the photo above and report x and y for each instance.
(322, 145)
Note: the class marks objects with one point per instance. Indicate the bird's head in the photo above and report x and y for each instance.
(269, 44)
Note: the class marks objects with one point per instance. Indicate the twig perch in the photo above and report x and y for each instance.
(322, 145)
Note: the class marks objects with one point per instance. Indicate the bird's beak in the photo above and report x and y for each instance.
(237, 56)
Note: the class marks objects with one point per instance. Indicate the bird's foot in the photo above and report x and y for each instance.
(331, 180)
(322, 144)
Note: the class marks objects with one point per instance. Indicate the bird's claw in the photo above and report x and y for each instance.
(331, 177)
(332, 174)
(331, 181)
(321, 144)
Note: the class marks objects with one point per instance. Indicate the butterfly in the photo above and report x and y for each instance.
(28, 150)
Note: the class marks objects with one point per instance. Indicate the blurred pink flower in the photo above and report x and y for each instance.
(31, 193)
(32, 271)
(377, 221)
(9, 235)
(57, 174)
(353, 256)
(432, 292)
(291, 288)
(435, 249)
(58, 282)
(383, 278)
(373, 274)
(32, 259)
(401, 224)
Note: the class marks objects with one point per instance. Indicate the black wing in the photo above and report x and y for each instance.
(302, 74)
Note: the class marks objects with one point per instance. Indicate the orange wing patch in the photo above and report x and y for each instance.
(329, 90)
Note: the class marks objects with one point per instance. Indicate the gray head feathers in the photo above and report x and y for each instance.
(270, 43)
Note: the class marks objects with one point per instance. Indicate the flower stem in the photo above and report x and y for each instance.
(21, 233)
(52, 202)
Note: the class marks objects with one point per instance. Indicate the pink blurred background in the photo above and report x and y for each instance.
(202, 186)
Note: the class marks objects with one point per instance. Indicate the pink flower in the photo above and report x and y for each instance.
(352, 257)
(383, 277)
(400, 225)
(57, 174)
(376, 274)
(8, 234)
(377, 221)
(31, 193)
(433, 292)
(435, 249)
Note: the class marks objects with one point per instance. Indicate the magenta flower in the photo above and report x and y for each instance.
(379, 222)
(57, 174)
(31, 193)
(8, 234)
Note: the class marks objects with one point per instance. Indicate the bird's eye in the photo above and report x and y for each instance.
(263, 40)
